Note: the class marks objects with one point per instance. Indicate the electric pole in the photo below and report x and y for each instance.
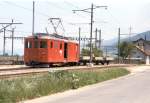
(129, 40)
(118, 45)
(145, 37)
(12, 52)
(91, 29)
(79, 40)
(100, 39)
(91, 46)
(96, 38)
(33, 18)
(4, 42)
(3, 29)
(84, 43)
(130, 33)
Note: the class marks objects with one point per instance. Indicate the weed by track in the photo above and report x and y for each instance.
(23, 88)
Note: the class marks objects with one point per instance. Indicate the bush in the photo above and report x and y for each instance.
(22, 88)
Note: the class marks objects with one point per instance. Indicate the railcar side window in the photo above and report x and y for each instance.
(76, 50)
(51, 45)
(26, 44)
(36, 44)
(55, 44)
(43, 44)
(60, 45)
(30, 44)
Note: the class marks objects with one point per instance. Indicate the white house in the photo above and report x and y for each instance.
(142, 50)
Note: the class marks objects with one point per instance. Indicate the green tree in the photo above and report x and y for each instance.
(6, 54)
(125, 49)
(96, 51)
(85, 52)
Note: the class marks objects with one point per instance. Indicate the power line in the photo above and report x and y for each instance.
(13, 4)
(3, 29)
(55, 5)
(91, 11)
(16, 5)
(63, 9)
(33, 18)
(59, 7)
(116, 20)
(72, 5)
(79, 23)
(23, 31)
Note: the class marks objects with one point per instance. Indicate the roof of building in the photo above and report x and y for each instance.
(141, 39)
(144, 51)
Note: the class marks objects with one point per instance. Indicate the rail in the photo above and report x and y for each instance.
(10, 72)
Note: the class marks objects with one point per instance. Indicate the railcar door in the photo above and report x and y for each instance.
(65, 50)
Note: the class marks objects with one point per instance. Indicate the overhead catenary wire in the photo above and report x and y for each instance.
(25, 8)
(72, 5)
(45, 15)
(64, 10)
(28, 9)
(115, 19)
(97, 21)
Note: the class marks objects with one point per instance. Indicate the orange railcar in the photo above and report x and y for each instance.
(50, 49)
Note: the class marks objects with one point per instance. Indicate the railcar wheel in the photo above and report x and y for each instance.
(50, 65)
(107, 62)
(102, 63)
(84, 63)
(97, 63)
(78, 63)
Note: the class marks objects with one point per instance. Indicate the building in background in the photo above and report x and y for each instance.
(142, 50)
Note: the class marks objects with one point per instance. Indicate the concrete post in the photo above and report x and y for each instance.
(147, 60)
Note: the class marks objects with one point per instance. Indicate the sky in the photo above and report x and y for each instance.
(121, 14)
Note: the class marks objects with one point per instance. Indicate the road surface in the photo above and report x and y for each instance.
(133, 88)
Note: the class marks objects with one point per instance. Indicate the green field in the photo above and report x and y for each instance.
(28, 87)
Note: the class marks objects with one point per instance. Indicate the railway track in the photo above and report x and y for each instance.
(10, 72)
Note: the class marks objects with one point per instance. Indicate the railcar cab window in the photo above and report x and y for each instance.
(43, 44)
(55, 44)
(51, 44)
(36, 45)
(28, 44)
(60, 45)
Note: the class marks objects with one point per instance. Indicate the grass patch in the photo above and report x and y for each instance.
(22, 88)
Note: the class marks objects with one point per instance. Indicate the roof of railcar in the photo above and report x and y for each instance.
(51, 36)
